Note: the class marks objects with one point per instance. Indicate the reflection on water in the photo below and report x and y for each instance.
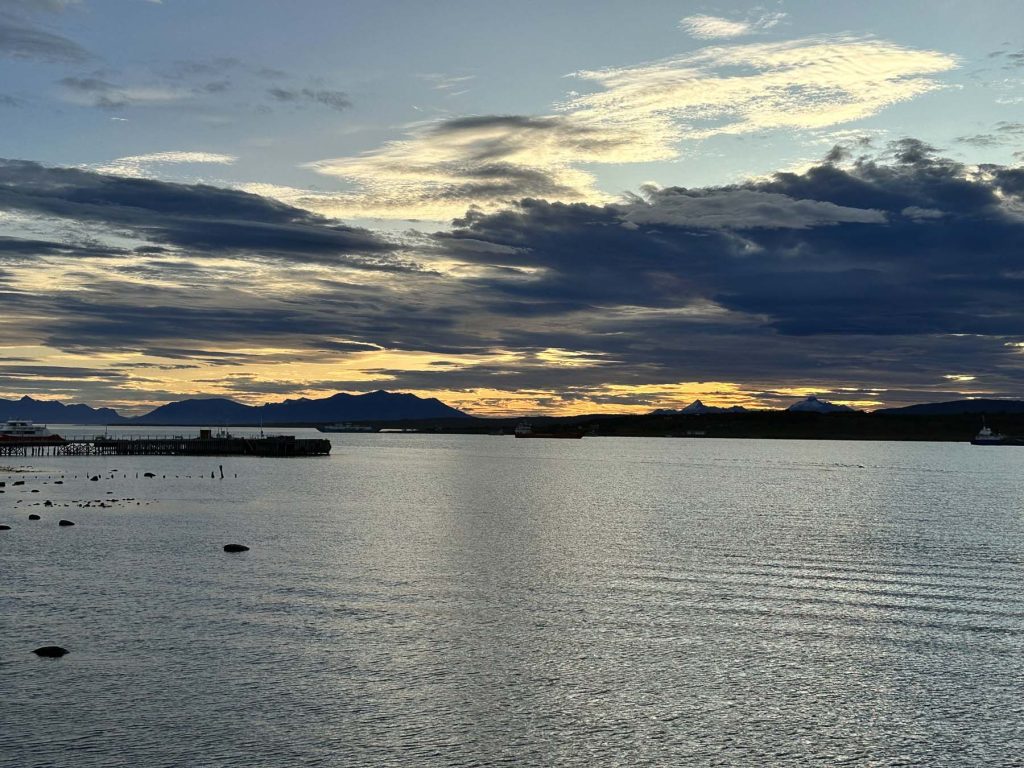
(429, 600)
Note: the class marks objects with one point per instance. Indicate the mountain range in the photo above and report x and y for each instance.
(810, 404)
(393, 406)
(372, 406)
(955, 407)
(52, 411)
(697, 408)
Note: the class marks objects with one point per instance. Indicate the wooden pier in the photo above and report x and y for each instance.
(275, 446)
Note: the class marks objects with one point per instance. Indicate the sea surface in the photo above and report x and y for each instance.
(427, 600)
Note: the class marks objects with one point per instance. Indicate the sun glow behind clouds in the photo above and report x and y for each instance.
(637, 114)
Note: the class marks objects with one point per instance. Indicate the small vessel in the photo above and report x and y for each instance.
(25, 431)
(525, 430)
(347, 426)
(987, 437)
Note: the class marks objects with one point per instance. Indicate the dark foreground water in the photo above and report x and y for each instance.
(426, 600)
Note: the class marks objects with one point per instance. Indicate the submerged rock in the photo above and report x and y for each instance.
(235, 548)
(64, 522)
(50, 651)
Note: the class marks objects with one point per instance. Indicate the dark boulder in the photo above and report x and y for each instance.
(94, 478)
(50, 651)
(18, 482)
(34, 517)
(64, 522)
(148, 474)
(7, 528)
(235, 548)
(47, 503)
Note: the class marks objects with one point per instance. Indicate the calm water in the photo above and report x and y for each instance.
(428, 600)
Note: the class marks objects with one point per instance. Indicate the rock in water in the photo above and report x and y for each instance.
(34, 517)
(148, 474)
(94, 478)
(7, 528)
(50, 651)
(64, 522)
(235, 548)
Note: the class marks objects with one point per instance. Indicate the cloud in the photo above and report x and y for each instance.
(887, 272)
(707, 27)
(97, 92)
(635, 115)
(336, 100)
(741, 209)
(451, 85)
(199, 218)
(1004, 132)
(22, 41)
(803, 84)
(139, 166)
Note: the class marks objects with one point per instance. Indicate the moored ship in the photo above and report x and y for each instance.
(525, 430)
(987, 437)
(347, 426)
(24, 431)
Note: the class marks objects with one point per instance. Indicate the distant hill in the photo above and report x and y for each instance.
(372, 406)
(54, 412)
(955, 407)
(811, 404)
(697, 408)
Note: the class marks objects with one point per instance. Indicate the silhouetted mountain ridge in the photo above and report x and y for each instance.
(372, 406)
(44, 411)
(953, 407)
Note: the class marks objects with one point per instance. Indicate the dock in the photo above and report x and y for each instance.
(206, 444)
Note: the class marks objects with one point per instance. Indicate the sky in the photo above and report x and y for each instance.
(518, 207)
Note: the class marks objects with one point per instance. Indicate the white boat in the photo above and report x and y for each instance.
(24, 431)
(987, 437)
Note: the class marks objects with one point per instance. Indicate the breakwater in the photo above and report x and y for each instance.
(272, 446)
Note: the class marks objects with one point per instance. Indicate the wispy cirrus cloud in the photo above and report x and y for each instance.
(97, 92)
(705, 27)
(141, 166)
(21, 37)
(336, 100)
(634, 114)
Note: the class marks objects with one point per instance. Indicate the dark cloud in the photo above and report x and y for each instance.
(1004, 132)
(337, 100)
(889, 272)
(19, 40)
(17, 249)
(200, 218)
(103, 94)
